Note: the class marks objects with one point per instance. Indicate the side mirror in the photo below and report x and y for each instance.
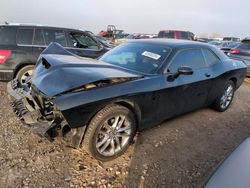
(184, 70)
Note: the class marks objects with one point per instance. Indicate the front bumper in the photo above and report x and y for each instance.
(28, 111)
(33, 116)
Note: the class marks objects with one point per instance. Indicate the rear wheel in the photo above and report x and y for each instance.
(110, 132)
(247, 80)
(25, 73)
(225, 99)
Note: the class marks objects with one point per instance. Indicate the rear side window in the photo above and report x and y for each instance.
(190, 57)
(210, 57)
(52, 35)
(25, 36)
(187, 35)
(7, 35)
(39, 37)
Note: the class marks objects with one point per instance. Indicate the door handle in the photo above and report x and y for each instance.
(207, 75)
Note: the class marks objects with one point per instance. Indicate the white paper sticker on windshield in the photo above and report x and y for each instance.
(151, 55)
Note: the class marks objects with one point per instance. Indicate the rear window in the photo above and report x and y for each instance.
(25, 36)
(166, 34)
(52, 35)
(7, 35)
(187, 36)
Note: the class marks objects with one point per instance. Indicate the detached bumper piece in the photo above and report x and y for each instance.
(28, 111)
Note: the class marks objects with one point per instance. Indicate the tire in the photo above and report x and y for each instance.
(25, 72)
(225, 99)
(247, 80)
(104, 133)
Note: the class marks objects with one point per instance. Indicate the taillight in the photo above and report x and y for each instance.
(234, 51)
(4, 54)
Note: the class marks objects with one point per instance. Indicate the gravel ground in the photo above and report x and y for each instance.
(181, 152)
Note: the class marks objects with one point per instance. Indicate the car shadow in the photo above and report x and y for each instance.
(183, 151)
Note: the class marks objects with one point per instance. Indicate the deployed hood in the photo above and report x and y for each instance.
(62, 71)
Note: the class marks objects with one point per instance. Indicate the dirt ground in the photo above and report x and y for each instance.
(181, 152)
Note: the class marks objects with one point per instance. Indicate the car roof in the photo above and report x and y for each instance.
(172, 43)
(166, 30)
(38, 26)
(177, 44)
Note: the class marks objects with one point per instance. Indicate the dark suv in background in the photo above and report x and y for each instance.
(21, 45)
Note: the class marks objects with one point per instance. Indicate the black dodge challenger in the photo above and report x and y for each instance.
(100, 104)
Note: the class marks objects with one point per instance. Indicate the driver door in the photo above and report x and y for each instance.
(186, 92)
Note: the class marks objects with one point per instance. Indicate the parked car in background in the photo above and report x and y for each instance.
(231, 39)
(216, 43)
(227, 46)
(234, 171)
(101, 104)
(242, 52)
(174, 34)
(21, 45)
(203, 39)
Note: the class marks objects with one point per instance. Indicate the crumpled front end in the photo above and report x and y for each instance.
(35, 110)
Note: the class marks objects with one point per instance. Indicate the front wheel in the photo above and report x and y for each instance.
(225, 99)
(110, 132)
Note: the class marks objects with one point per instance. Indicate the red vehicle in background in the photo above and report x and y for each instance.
(174, 34)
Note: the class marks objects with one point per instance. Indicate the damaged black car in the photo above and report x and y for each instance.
(100, 104)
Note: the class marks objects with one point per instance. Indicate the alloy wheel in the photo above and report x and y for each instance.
(26, 76)
(113, 136)
(227, 97)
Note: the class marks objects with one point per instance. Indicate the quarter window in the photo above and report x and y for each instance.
(25, 36)
(190, 57)
(210, 57)
(39, 38)
(52, 35)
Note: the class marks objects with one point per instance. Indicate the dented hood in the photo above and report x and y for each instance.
(58, 73)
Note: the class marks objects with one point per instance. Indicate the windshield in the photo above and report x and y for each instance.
(140, 57)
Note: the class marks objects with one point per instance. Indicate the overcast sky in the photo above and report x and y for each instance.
(226, 17)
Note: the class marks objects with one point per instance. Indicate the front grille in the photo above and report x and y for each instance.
(19, 109)
(44, 102)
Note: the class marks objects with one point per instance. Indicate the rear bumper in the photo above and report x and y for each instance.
(6, 75)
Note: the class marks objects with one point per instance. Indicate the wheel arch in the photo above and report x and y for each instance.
(234, 80)
(19, 67)
(131, 105)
